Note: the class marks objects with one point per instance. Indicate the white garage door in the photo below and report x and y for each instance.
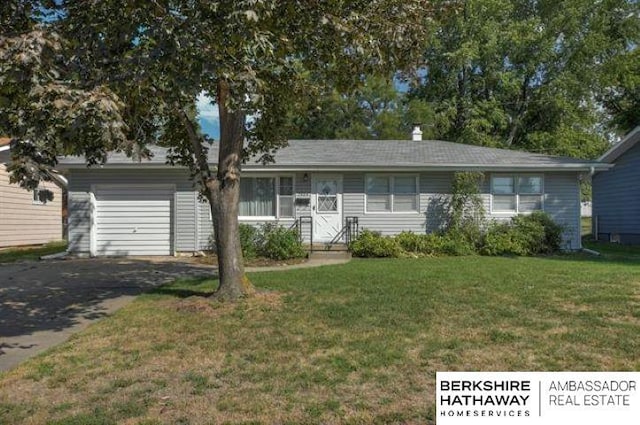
(133, 221)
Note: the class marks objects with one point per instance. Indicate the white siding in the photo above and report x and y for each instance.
(192, 227)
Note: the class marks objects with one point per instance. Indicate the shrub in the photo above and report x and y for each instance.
(551, 240)
(249, 241)
(279, 243)
(411, 242)
(504, 239)
(530, 234)
(458, 242)
(449, 243)
(373, 244)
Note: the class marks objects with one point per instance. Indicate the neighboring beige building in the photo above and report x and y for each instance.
(24, 220)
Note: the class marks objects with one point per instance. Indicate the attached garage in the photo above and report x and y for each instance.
(130, 220)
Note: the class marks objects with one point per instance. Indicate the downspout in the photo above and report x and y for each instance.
(592, 171)
(594, 218)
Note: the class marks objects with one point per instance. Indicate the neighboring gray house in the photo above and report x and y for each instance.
(150, 208)
(616, 193)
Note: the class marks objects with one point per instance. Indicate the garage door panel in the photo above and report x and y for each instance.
(135, 213)
(136, 237)
(111, 227)
(128, 251)
(133, 204)
(133, 221)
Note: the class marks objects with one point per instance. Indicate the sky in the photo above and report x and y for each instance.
(208, 116)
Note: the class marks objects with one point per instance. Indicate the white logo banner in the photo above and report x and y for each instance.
(532, 398)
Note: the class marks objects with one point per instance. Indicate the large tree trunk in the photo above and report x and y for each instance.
(224, 196)
(223, 192)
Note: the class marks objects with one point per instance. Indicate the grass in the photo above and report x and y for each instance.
(355, 344)
(585, 223)
(31, 253)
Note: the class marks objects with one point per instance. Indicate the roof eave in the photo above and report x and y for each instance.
(369, 167)
(620, 148)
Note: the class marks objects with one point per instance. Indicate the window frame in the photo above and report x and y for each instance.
(516, 192)
(35, 200)
(392, 193)
(277, 215)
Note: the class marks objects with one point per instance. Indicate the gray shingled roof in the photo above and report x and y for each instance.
(322, 154)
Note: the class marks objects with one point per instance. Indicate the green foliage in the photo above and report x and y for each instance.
(85, 78)
(429, 244)
(466, 209)
(505, 239)
(268, 241)
(548, 77)
(279, 243)
(374, 245)
(551, 239)
(101, 76)
(533, 75)
(249, 236)
(374, 111)
(532, 234)
(464, 240)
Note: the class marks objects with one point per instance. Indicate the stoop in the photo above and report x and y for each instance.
(328, 252)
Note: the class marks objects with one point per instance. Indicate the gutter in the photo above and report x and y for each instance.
(59, 179)
(588, 167)
(56, 177)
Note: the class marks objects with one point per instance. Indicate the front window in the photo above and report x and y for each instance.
(516, 193)
(285, 196)
(392, 193)
(266, 197)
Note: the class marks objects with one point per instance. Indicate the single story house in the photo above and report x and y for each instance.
(616, 193)
(25, 218)
(151, 208)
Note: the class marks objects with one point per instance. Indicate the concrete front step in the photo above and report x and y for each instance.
(326, 247)
(329, 255)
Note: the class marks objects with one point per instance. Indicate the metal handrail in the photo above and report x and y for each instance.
(302, 220)
(352, 228)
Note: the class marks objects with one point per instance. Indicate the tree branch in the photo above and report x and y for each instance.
(196, 144)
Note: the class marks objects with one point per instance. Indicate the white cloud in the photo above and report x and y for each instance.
(207, 110)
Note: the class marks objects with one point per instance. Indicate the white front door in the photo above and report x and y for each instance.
(326, 204)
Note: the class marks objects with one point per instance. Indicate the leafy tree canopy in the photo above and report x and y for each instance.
(376, 110)
(546, 76)
(85, 77)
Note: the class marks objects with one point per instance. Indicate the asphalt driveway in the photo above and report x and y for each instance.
(42, 303)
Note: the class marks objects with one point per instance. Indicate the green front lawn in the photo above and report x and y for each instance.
(31, 253)
(358, 343)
